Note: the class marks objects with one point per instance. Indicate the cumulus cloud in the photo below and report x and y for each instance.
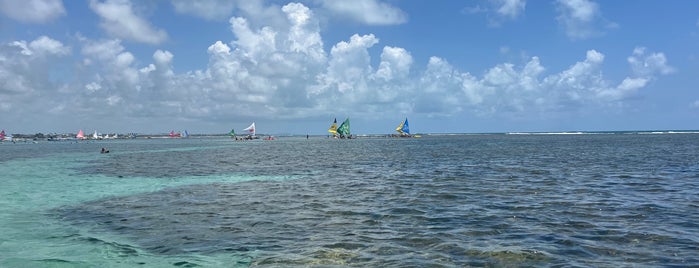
(285, 73)
(42, 46)
(32, 11)
(371, 12)
(581, 19)
(25, 71)
(120, 21)
(644, 65)
(395, 64)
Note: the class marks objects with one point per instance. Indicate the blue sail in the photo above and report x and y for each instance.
(405, 128)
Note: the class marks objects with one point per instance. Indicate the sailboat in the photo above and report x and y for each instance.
(232, 134)
(174, 135)
(404, 130)
(333, 128)
(95, 136)
(344, 130)
(251, 130)
(185, 134)
(81, 135)
(2, 135)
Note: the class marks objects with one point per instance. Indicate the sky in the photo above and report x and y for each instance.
(120, 66)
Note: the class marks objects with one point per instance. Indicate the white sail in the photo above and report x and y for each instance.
(251, 129)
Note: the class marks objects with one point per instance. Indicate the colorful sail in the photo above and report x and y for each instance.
(185, 134)
(333, 128)
(232, 133)
(81, 135)
(251, 129)
(344, 129)
(403, 128)
(2, 135)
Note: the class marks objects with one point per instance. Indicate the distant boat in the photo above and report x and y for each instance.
(333, 128)
(251, 129)
(175, 135)
(5, 137)
(185, 134)
(344, 130)
(81, 135)
(404, 130)
(232, 134)
(95, 136)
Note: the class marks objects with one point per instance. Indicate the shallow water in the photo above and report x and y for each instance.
(468, 200)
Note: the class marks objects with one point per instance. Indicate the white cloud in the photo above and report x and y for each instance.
(439, 89)
(395, 64)
(32, 11)
(114, 67)
(581, 19)
(371, 12)
(25, 71)
(509, 8)
(644, 65)
(120, 21)
(285, 73)
(347, 75)
(46, 45)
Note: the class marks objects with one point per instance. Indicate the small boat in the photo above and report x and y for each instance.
(81, 135)
(5, 137)
(174, 135)
(232, 134)
(343, 130)
(333, 129)
(251, 130)
(404, 130)
(185, 134)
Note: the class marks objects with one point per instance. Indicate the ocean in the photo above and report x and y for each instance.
(492, 200)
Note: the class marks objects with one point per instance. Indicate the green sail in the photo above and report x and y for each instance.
(344, 128)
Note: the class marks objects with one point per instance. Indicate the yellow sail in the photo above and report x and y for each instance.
(333, 128)
(400, 128)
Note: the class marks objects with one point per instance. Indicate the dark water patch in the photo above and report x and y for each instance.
(59, 261)
(529, 201)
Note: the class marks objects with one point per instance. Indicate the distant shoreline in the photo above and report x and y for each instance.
(72, 136)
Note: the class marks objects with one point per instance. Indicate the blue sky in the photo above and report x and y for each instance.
(292, 67)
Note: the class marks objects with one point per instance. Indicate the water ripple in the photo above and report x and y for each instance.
(597, 200)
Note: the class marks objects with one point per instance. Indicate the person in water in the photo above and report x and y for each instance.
(104, 150)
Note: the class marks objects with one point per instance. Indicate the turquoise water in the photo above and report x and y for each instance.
(33, 237)
(462, 200)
